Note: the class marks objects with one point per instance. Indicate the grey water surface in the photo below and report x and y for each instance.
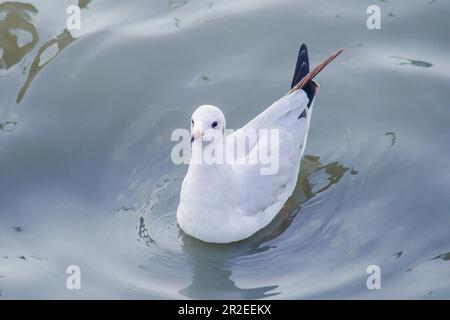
(86, 118)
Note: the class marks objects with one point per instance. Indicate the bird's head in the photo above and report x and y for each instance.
(207, 122)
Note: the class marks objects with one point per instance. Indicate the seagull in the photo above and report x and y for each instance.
(230, 201)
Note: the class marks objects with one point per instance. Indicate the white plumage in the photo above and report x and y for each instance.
(230, 201)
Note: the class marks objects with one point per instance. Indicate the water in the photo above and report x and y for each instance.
(86, 176)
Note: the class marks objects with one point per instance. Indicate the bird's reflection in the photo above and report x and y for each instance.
(304, 191)
(18, 18)
(211, 272)
(212, 264)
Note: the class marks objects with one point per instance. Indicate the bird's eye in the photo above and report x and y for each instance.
(192, 121)
(214, 124)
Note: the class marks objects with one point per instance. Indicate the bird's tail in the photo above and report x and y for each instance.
(302, 76)
(302, 66)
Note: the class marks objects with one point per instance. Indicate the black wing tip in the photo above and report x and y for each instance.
(302, 65)
(303, 47)
(301, 70)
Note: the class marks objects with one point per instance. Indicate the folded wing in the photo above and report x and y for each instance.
(265, 186)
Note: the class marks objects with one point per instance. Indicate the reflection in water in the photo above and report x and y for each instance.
(82, 4)
(212, 263)
(58, 43)
(334, 171)
(18, 229)
(175, 4)
(143, 233)
(211, 272)
(177, 22)
(304, 191)
(8, 126)
(416, 63)
(17, 19)
(398, 255)
(393, 138)
(443, 256)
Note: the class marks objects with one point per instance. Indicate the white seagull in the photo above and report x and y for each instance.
(228, 202)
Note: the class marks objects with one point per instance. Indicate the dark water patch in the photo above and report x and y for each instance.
(83, 4)
(393, 138)
(8, 126)
(18, 229)
(175, 4)
(22, 257)
(416, 63)
(177, 22)
(143, 233)
(36, 256)
(209, 281)
(126, 209)
(397, 255)
(335, 171)
(18, 18)
(443, 256)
